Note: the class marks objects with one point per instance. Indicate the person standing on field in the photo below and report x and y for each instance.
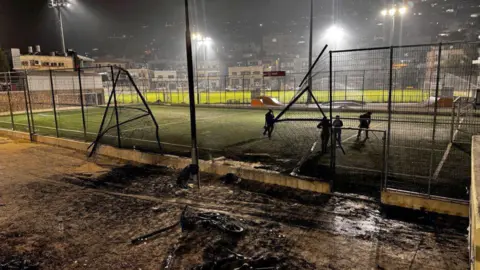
(337, 129)
(325, 126)
(365, 120)
(269, 123)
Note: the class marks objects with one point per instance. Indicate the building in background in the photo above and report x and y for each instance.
(39, 61)
(247, 77)
(105, 62)
(142, 78)
(165, 80)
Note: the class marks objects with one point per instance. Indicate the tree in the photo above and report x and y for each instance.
(4, 64)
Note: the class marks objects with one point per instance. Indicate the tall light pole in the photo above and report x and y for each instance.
(193, 121)
(199, 39)
(58, 5)
(393, 12)
(310, 51)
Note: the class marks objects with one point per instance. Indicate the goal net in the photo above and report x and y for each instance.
(73, 99)
(130, 125)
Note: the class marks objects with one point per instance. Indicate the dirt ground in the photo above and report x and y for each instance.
(59, 210)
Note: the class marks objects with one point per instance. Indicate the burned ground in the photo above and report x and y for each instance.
(61, 211)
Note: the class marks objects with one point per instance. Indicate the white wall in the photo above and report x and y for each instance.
(66, 81)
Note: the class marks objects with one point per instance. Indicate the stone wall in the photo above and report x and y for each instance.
(43, 99)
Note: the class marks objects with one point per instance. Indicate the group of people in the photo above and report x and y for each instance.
(325, 125)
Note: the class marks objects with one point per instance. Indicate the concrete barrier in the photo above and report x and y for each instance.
(474, 232)
(222, 167)
(423, 202)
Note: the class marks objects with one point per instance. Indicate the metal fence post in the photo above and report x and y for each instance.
(81, 104)
(435, 109)
(225, 94)
(385, 163)
(31, 128)
(332, 146)
(403, 88)
(389, 128)
(243, 89)
(9, 88)
(452, 124)
(116, 110)
(29, 102)
(53, 103)
(208, 89)
(363, 89)
(346, 78)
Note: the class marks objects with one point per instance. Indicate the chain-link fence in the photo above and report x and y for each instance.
(412, 92)
(421, 100)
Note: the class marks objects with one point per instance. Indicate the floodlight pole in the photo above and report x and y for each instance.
(191, 92)
(57, 5)
(62, 36)
(310, 49)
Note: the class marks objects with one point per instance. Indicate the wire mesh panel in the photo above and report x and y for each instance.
(127, 125)
(6, 109)
(410, 92)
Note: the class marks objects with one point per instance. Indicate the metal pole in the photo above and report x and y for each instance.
(243, 89)
(116, 111)
(81, 104)
(193, 123)
(385, 163)
(53, 103)
(225, 100)
(196, 71)
(31, 128)
(333, 147)
(62, 36)
(208, 89)
(346, 80)
(29, 103)
(389, 128)
(403, 86)
(435, 109)
(452, 124)
(363, 89)
(310, 52)
(9, 86)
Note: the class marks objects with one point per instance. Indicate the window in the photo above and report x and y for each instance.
(61, 64)
(171, 76)
(256, 73)
(235, 82)
(24, 63)
(234, 73)
(160, 76)
(246, 72)
(201, 75)
(54, 64)
(45, 64)
(32, 63)
(37, 62)
(212, 74)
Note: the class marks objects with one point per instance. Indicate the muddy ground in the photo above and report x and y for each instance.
(59, 210)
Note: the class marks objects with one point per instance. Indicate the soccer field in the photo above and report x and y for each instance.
(180, 96)
(237, 134)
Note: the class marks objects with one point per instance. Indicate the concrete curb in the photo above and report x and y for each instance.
(222, 167)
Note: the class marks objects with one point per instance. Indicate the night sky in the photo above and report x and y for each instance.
(131, 27)
(91, 22)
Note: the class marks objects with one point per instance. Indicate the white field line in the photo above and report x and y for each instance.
(356, 133)
(200, 119)
(447, 152)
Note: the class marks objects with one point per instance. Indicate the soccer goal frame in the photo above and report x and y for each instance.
(112, 104)
(73, 99)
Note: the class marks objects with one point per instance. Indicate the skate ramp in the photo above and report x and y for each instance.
(269, 101)
(256, 102)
